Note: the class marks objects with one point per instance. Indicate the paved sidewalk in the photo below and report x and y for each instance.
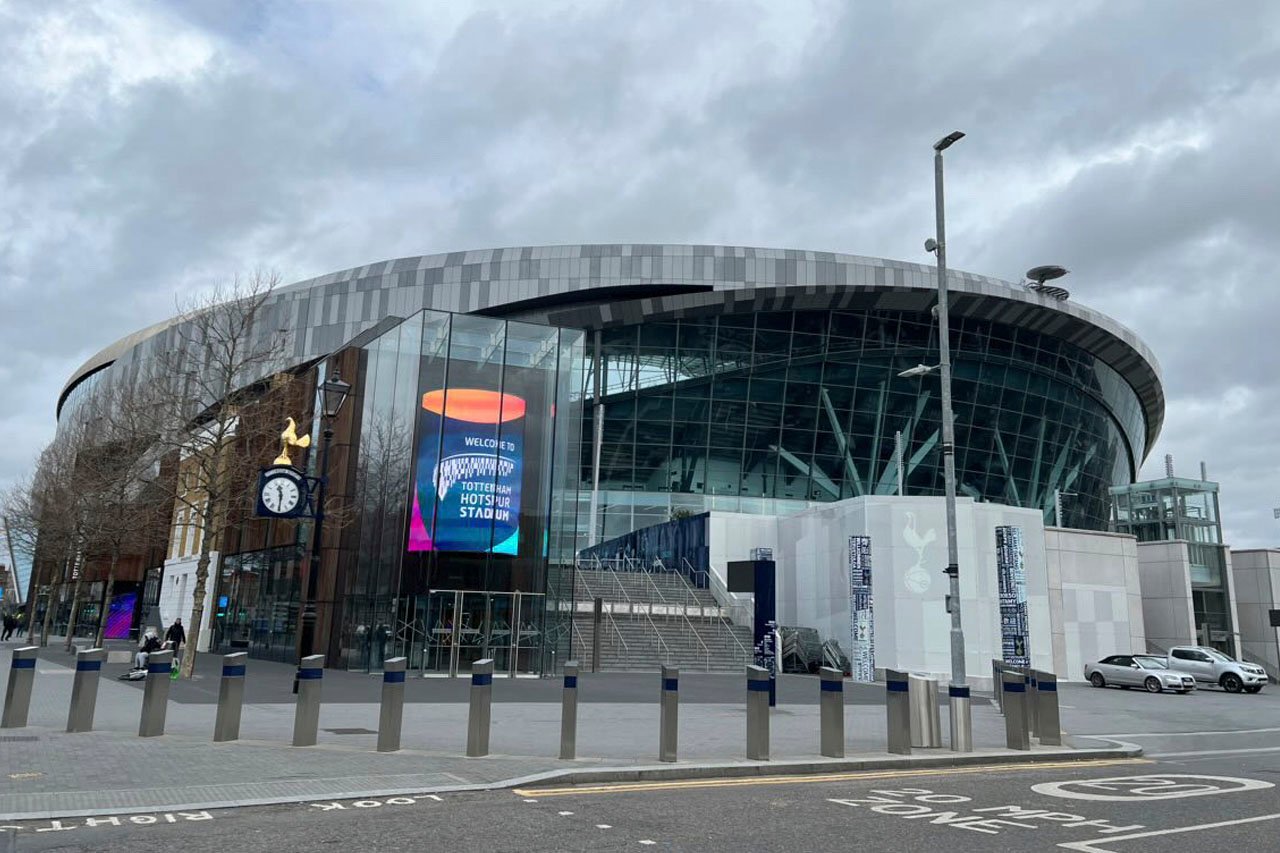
(48, 773)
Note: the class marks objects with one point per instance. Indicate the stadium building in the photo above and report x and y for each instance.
(656, 384)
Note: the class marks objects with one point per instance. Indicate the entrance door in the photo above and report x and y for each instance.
(464, 626)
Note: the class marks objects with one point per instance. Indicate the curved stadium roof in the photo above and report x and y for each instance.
(590, 286)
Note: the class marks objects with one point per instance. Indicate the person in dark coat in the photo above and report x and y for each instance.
(176, 637)
(150, 643)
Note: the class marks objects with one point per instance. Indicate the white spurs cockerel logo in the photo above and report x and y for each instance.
(917, 577)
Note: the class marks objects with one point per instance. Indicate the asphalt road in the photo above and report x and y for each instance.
(1038, 807)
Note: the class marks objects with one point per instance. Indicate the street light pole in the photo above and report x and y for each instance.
(313, 563)
(333, 394)
(958, 690)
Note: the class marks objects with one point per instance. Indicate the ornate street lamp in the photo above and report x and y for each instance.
(333, 393)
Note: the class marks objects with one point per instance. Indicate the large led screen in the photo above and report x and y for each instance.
(470, 461)
(120, 616)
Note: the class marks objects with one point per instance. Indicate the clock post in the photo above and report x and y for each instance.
(334, 393)
(308, 625)
(285, 492)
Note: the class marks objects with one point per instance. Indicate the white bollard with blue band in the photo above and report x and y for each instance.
(478, 717)
(897, 702)
(391, 714)
(961, 719)
(1015, 703)
(669, 711)
(17, 699)
(306, 716)
(757, 713)
(1032, 711)
(155, 694)
(226, 725)
(569, 712)
(1048, 723)
(84, 690)
(831, 710)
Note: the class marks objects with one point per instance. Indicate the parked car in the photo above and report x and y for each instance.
(1146, 671)
(1210, 666)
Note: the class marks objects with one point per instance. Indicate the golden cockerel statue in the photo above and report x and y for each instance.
(289, 438)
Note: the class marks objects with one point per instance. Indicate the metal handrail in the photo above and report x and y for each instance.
(657, 635)
(606, 614)
(739, 613)
(723, 625)
(684, 614)
(689, 597)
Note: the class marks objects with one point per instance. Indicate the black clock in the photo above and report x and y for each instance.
(282, 492)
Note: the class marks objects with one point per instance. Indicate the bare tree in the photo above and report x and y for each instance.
(222, 350)
(118, 471)
(44, 515)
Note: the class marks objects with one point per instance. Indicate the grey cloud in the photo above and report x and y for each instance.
(321, 136)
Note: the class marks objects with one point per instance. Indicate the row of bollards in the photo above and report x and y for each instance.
(1028, 698)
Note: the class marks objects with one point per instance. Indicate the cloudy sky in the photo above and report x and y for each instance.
(150, 149)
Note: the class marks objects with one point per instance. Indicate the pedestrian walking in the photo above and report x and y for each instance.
(10, 623)
(176, 637)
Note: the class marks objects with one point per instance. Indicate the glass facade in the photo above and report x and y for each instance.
(1179, 509)
(463, 449)
(769, 412)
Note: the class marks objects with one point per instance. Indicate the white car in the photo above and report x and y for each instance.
(1210, 666)
(1146, 671)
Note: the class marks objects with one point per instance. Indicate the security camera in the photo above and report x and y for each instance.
(931, 245)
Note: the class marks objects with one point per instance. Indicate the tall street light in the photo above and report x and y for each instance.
(958, 690)
(333, 393)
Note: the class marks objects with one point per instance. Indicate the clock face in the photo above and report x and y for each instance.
(280, 495)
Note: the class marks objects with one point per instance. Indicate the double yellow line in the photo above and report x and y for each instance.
(631, 787)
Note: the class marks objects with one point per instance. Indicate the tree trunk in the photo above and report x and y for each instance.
(75, 613)
(33, 594)
(48, 618)
(197, 597)
(106, 602)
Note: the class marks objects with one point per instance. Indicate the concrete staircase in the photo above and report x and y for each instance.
(654, 618)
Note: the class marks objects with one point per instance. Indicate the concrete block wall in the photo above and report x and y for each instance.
(1164, 571)
(1255, 575)
(1095, 597)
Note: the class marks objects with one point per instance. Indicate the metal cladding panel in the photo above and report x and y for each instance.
(765, 279)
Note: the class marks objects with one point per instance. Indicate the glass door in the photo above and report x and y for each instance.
(461, 627)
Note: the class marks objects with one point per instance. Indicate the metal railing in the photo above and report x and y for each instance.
(632, 590)
(621, 647)
(683, 613)
(724, 629)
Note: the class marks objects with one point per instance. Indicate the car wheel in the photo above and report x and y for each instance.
(1152, 684)
(1254, 689)
(1097, 680)
(1232, 683)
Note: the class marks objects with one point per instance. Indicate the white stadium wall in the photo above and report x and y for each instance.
(1083, 599)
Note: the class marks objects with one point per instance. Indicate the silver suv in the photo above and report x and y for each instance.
(1210, 666)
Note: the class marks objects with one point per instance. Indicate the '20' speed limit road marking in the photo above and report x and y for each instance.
(1153, 786)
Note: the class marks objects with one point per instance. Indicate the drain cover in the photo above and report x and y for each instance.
(344, 732)
(17, 738)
